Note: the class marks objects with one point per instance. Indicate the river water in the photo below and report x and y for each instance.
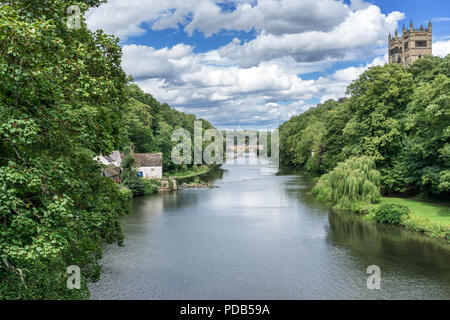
(264, 237)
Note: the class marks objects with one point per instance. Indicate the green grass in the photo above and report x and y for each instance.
(432, 211)
(189, 173)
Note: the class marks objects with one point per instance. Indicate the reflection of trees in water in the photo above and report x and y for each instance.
(168, 201)
(372, 240)
(211, 176)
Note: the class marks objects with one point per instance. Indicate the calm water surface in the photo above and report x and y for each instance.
(264, 237)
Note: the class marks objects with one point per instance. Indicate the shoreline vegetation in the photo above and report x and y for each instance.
(189, 173)
(353, 186)
(171, 181)
(389, 136)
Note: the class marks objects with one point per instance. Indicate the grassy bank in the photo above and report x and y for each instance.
(431, 219)
(435, 212)
(192, 172)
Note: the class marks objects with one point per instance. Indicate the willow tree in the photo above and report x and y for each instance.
(59, 97)
(352, 185)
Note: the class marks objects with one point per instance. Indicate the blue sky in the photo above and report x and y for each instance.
(256, 63)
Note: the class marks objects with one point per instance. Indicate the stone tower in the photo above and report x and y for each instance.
(412, 45)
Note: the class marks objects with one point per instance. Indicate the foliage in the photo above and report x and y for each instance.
(59, 100)
(150, 187)
(426, 226)
(391, 213)
(131, 180)
(147, 126)
(137, 185)
(428, 148)
(436, 212)
(126, 193)
(398, 116)
(352, 185)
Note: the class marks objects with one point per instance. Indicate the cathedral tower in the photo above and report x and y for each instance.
(412, 45)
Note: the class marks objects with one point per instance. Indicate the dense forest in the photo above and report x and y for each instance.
(147, 126)
(397, 116)
(63, 99)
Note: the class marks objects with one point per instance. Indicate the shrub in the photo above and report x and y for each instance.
(322, 191)
(353, 185)
(126, 193)
(150, 187)
(391, 213)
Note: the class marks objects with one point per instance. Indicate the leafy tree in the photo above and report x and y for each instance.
(130, 176)
(428, 124)
(397, 116)
(308, 148)
(352, 185)
(378, 101)
(147, 126)
(59, 99)
(334, 141)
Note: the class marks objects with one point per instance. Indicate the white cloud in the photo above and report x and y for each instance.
(245, 84)
(362, 31)
(125, 18)
(265, 94)
(272, 16)
(441, 48)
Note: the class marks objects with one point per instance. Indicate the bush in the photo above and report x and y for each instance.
(150, 187)
(322, 191)
(136, 185)
(126, 193)
(391, 213)
(426, 226)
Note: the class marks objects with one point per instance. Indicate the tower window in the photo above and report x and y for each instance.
(421, 43)
(396, 50)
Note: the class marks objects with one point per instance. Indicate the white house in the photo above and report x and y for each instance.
(149, 165)
(114, 159)
(112, 165)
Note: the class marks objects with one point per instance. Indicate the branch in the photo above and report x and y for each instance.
(15, 270)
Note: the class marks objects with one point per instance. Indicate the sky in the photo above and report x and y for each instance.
(244, 64)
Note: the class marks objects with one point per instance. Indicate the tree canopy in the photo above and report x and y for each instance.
(397, 116)
(59, 104)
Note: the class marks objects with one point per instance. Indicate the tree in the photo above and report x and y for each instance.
(130, 176)
(351, 186)
(378, 102)
(428, 124)
(59, 99)
(397, 116)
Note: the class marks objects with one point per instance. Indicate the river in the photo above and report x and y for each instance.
(264, 237)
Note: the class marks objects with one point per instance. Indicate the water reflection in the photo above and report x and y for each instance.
(263, 237)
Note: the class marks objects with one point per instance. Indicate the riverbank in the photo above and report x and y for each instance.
(435, 212)
(193, 172)
(428, 218)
